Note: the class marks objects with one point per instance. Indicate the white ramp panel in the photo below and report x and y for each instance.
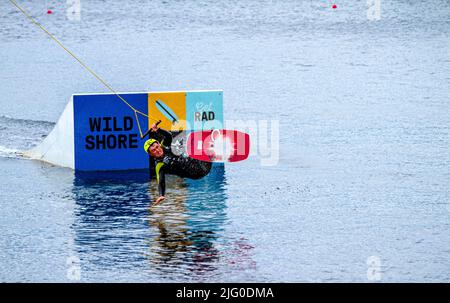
(58, 147)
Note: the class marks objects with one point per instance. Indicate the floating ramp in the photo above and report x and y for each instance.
(97, 132)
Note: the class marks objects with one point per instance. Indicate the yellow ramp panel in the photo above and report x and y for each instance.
(170, 108)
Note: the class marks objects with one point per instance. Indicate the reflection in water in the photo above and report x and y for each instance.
(108, 218)
(189, 223)
(182, 238)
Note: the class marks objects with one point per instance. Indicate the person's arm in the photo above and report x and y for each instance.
(162, 135)
(161, 179)
(167, 137)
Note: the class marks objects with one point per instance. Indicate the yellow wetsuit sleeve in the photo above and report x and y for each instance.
(161, 178)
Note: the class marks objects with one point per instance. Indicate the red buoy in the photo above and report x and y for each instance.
(334, 6)
(49, 12)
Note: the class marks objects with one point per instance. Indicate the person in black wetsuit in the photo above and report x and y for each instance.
(169, 163)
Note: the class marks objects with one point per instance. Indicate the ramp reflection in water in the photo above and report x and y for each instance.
(119, 233)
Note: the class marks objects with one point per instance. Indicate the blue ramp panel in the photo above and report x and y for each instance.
(106, 132)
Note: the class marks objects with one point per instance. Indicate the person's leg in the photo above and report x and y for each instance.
(198, 169)
(206, 167)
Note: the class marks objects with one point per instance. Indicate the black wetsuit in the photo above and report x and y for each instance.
(181, 166)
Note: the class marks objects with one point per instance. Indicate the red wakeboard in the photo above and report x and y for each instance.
(218, 145)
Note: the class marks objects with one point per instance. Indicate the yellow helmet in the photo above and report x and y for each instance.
(149, 143)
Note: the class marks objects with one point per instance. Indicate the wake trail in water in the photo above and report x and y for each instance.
(18, 135)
